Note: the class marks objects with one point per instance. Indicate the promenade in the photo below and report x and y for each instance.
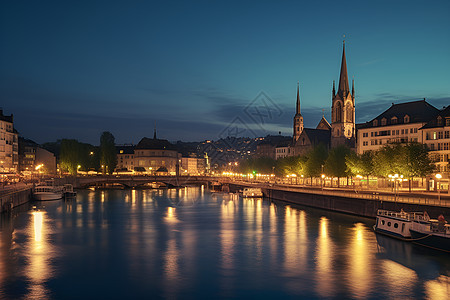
(419, 197)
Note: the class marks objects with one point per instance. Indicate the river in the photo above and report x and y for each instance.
(189, 243)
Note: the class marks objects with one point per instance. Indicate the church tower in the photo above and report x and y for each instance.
(343, 109)
(298, 118)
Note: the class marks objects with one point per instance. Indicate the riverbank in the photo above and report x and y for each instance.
(360, 204)
(14, 195)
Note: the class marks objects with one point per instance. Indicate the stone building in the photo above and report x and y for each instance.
(32, 156)
(9, 145)
(436, 135)
(400, 123)
(342, 128)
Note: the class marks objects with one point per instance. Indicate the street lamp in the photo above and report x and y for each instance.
(438, 186)
(322, 176)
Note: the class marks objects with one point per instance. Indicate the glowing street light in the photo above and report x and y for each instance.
(439, 177)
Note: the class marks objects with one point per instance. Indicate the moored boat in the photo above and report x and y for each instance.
(252, 193)
(432, 233)
(68, 191)
(48, 191)
(416, 227)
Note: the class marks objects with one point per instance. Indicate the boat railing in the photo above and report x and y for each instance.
(410, 216)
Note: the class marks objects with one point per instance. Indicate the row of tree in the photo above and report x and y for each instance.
(410, 160)
(74, 156)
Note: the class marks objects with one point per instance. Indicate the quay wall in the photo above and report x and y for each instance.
(14, 198)
(354, 206)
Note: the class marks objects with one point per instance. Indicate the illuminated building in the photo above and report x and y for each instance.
(9, 157)
(31, 156)
(436, 135)
(401, 123)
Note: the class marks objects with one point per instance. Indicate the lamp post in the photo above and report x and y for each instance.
(438, 186)
(322, 177)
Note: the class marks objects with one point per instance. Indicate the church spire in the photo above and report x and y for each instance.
(343, 88)
(298, 99)
(154, 132)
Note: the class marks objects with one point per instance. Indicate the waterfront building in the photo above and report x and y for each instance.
(436, 135)
(33, 158)
(9, 148)
(149, 156)
(193, 166)
(125, 157)
(401, 123)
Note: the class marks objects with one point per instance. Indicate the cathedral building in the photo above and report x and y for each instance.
(342, 128)
(343, 110)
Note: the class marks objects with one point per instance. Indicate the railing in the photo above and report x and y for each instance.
(421, 200)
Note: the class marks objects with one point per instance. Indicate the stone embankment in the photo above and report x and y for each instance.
(363, 204)
(14, 195)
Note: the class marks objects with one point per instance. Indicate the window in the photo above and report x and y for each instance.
(439, 121)
(447, 134)
(403, 227)
(375, 122)
(411, 130)
(447, 122)
(415, 130)
(366, 134)
(440, 135)
(395, 225)
(382, 222)
(365, 143)
(396, 132)
(394, 120)
(389, 224)
(403, 131)
(383, 122)
(406, 119)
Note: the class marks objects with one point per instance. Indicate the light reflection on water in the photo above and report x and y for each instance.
(188, 243)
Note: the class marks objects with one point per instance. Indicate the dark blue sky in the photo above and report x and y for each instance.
(72, 69)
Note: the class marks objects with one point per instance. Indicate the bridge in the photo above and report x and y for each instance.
(128, 181)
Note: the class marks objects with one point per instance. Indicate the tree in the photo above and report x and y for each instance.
(108, 153)
(389, 160)
(291, 165)
(316, 161)
(335, 163)
(259, 165)
(69, 155)
(418, 162)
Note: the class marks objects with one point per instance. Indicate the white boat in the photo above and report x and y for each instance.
(68, 191)
(252, 193)
(416, 227)
(48, 191)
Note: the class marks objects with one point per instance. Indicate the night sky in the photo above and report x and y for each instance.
(200, 69)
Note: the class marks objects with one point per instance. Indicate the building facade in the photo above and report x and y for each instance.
(9, 145)
(436, 135)
(401, 123)
(343, 109)
(33, 158)
(298, 118)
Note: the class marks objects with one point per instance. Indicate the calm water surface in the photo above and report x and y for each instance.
(191, 244)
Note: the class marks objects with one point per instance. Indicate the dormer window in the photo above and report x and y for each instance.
(394, 120)
(383, 122)
(375, 122)
(447, 122)
(406, 119)
(439, 120)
